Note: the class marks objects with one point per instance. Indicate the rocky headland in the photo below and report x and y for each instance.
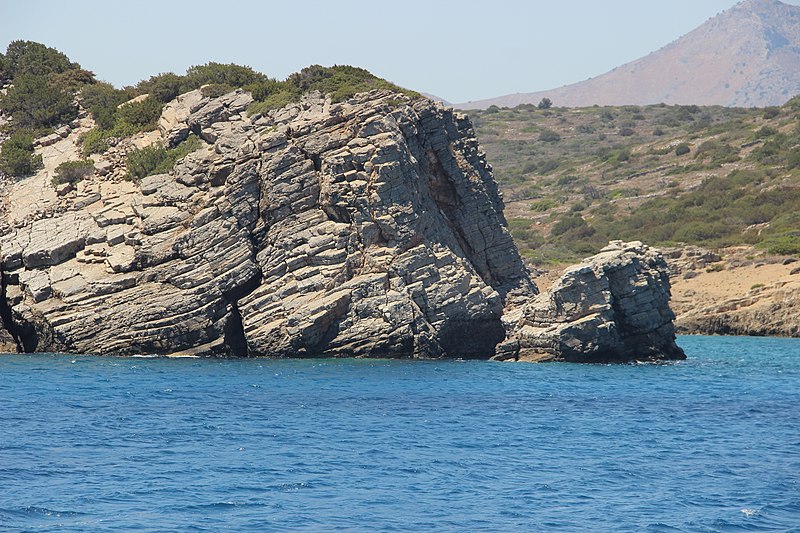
(371, 228)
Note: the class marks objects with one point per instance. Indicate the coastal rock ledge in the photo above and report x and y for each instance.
(368, 228)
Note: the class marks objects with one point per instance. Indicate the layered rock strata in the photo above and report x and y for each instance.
(613, 306)
(371, 227)
(368, 228)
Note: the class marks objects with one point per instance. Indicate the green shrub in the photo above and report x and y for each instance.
(264, 89)
(568, 223)
(340, 81)
(35, 104)
(17, 157)
(626, 132)
(163, 87)
(71, 80)
(213, 73)
(142, 115)
(523, 233)
(771, 112)
(549, 136)
(102, 101)
(764, 132)
(215, 90)
(786, 244)
(682, 149)
(28, 58)
(157, 159)
(94, 141)
(275, 101)
(793, 160)
(545, 103)
(147, 161)
(73, 171)
(543, 205)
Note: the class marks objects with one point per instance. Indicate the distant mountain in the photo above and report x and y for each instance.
(746, 56)
(436, 98)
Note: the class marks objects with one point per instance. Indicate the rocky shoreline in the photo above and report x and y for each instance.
(369, 228)
(735, 291)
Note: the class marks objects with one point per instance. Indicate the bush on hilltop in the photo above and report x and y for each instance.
(35, 103)
(28, 58)
(141, 116)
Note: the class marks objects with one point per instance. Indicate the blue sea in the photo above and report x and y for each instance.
(132, 444)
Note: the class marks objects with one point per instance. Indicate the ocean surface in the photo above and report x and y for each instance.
(135, 444)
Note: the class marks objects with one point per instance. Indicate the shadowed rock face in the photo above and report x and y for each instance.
(612, 307)
(368, 228)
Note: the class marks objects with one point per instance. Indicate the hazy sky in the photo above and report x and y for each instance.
(458, 50)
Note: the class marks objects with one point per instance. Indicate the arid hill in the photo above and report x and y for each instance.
(747, 56)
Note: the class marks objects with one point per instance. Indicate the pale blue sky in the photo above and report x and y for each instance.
(458, 50)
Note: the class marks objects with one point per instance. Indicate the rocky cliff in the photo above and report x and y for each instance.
(371, 227)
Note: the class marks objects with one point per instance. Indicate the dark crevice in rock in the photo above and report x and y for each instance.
(233, 332)
(315, 159)
(442, 189)
(6, 318)
(445, 195)
(235, 339)
(33, 337)
(471, 339)
(337, 213)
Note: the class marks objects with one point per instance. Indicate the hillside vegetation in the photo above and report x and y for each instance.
(46, 90)
(575, 178)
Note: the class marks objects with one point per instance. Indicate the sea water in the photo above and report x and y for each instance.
(133, 444)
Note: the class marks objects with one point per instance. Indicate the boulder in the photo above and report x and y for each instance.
(613, 306)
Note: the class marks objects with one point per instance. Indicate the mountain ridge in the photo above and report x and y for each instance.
(746, 56)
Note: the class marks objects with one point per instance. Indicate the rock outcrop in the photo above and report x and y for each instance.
(371, 227)
(368, 228)
(612, 307)
(744, 291)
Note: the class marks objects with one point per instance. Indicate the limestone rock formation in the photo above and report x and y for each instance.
(371, 227)
(612, 307)
(367, 228)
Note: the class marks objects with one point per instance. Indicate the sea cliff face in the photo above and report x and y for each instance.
(371, 227)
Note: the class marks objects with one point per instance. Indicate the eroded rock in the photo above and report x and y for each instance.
(371, 227)
(612, 307)
(367, 228)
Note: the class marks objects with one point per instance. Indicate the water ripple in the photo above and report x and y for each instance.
(154, 444)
